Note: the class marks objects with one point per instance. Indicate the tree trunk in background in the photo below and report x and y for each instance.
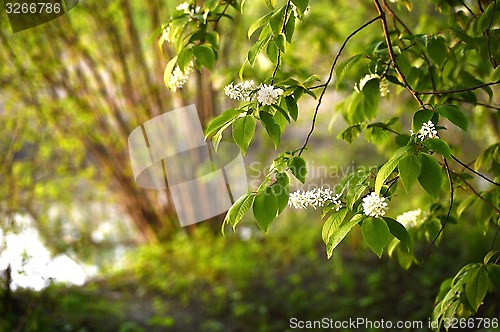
(91, 77)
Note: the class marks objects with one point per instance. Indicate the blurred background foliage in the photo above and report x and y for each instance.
(71, 92)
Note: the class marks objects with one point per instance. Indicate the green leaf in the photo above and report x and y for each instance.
(376, 234)
(489, 255)
(270, 3)
(273, 130)
(291, 105)
(465, 203)
(409, 169)
(371, 94)
(257, 48)
(339, 234)
(402, 139)
(184, 58)
(265, 208)
(454, 114)
(243, 131)
(239, 209)
(494, 272)
(399, 231)
(282, 190)
(276, 21)
(439, 146)
(301, 5)
(388, 167)
(437, 49)
(298, 168)
(205, 55)
(280, 41)
(350, 133)
(495, 75)
(420, 117)
(221, 120)
(259, 23)
(344, 67)
(272, 52)
(430, 176)
(332, 224)
(210, 5)
(476, 285)
(168, 70)
(290, 28)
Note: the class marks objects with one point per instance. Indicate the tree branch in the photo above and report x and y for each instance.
(330, 76)
(385, 27)
(283, 30)
(450, 180)
(457, 90)
(473, 171)
(492, 59)
(477, 194)
(478, 103)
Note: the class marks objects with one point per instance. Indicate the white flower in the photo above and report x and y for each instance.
(374, 205)
(268, 95)
(245, 233)
(315, 197)
(166, 34)
(240, 91)
(409, 218)
(179, 78)
(183, 7)
(384, 87)
(294, 10)
(428, 130)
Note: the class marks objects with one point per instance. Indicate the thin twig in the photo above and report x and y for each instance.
(390, 183)
(393, 14)
(450, 180)
(477, 194)
(465, 5)
(447, 92)
(393, 56)
(283, 30)
(317, 86)
(473, 171)
(492, 59)
(220, 16)
(478, 103)
(330, 76)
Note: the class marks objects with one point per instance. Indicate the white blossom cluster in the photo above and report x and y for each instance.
(186, 8)
(241, 91)
(268, 95)
(315, 197)
(179, 78)
(374, 205)
(428, 130)
(383, 85)
(410, 218)
(166, 34)
(245, 91)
